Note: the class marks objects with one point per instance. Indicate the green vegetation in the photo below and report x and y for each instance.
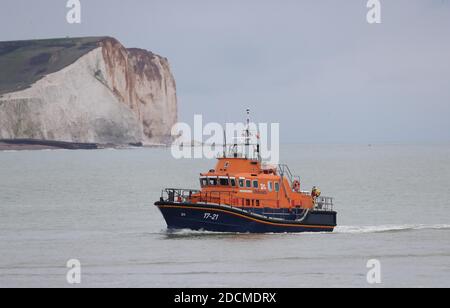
(22, 63)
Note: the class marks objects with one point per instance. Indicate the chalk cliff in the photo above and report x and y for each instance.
(91, 90)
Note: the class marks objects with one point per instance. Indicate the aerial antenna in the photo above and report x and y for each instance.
(258, 145)
(224, 142)
(247, 130)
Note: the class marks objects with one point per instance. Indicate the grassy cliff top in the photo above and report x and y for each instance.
(22, 63)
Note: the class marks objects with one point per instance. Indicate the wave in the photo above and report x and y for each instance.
(188, 232)
(338, 230)
(388, 228)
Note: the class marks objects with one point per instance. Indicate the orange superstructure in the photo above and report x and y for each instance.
(243, 182)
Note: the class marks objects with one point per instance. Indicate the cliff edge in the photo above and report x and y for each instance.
(85, 90)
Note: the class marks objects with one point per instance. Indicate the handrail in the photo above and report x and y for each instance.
(186, 195)
(213, 196)
(178, 193)
(224, 198)
(284, 170)
(181, 195)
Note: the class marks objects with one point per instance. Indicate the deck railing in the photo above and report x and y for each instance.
(284, 170)
(227, 198)
(187, 195)
(178, 194)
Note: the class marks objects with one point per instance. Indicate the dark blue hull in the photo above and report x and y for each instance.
(220, 218)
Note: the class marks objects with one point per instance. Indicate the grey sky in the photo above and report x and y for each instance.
(317, 67)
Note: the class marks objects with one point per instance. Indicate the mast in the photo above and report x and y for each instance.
(224, 143)
(248, 143)
(247, 136)
(247, 129)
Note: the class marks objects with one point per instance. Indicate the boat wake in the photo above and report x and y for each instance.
(387, 228)
(338, 230)
(189, 232)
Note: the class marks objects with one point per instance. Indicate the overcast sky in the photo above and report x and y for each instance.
(316, 67)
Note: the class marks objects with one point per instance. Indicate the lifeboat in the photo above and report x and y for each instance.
(242, 194)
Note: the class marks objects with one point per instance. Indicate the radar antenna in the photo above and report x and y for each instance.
(247, 129)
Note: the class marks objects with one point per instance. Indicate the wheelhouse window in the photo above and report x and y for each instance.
(270, 186)
(203, 182)
(248, 184)
(233, 182)
(255, 184)
(212, 181)
(241, 182)
(277, 186)
(224, 182)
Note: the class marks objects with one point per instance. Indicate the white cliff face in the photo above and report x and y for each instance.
(109, 95)
(143, 81)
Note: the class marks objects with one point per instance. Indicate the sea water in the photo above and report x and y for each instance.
(393, 204)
